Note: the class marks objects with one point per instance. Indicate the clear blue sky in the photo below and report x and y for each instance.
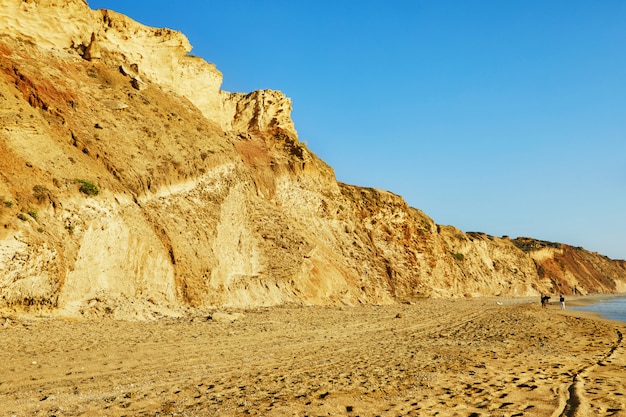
(505, 117)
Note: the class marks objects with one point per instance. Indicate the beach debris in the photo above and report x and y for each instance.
(222, 316)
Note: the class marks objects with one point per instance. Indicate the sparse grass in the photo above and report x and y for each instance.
(88, 188)
(40, 192)
(458, 256)
(39, 189)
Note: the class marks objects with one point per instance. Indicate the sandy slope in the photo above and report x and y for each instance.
(481, 357)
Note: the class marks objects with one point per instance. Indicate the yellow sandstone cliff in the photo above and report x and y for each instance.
(131, 185)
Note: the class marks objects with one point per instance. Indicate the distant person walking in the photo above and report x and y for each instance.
(562, 300)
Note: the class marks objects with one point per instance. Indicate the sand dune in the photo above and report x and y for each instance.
(481, 357)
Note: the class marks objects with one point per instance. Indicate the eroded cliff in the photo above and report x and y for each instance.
(131, 185)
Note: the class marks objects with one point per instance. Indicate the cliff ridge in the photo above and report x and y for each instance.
(132, 186)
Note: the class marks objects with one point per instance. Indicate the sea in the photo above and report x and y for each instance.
(611, 308)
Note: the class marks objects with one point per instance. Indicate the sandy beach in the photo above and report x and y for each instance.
(476, 357)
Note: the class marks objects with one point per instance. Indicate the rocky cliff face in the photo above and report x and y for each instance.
(131, 185)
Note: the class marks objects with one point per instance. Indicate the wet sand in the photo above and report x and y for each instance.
(478, 357)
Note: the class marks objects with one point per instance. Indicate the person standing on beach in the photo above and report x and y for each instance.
(562, 300)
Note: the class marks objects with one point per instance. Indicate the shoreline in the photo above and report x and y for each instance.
(596, 315)
(584, 300)
(572, 302)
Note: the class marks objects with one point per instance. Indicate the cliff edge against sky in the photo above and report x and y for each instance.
(132, 186)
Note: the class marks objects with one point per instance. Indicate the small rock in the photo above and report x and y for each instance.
(221, 316)
(126, 71)
(93, 51)
(115, 105)
(137, 83)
